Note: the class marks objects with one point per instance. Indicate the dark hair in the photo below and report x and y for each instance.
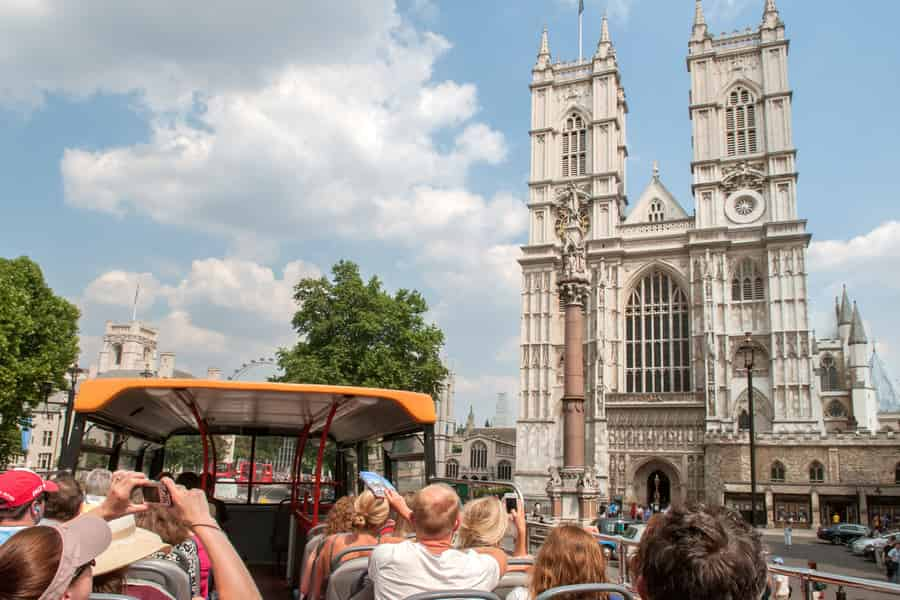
(28, 561)
(65, 504)
(113, 582)
(17, 513)
(700, 553)
(189, 480)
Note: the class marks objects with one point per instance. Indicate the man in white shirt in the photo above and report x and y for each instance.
(430, 563)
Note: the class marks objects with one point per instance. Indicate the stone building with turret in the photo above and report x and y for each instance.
(676, 297)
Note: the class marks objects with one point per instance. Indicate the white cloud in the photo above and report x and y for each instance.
(480, 391)
(871, 251)
(725, 11)
(617, 9)
(119, 288)
(178, 331)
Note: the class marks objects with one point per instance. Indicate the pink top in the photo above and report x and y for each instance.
(205, 567)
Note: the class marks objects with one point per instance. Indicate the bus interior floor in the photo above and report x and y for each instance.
(272, 586)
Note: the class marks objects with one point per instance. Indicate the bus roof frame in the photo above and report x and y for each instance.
(275, 408)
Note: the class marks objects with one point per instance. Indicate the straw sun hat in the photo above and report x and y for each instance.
(130, 543)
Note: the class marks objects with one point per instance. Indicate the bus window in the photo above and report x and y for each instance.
(407, 462)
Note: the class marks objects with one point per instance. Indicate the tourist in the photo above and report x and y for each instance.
(66, 503)
(399, 570)
(166, 523)
(788, 531)
(633, 511)
(892, 557)
(702, 554)
(52, 563)
(370, 513)
(484, 524)
(782, 584)
(339, 520)
(569, 556)
(835, 519)
(96, 486)
(647, 514)
(129, 544)
(22, 495)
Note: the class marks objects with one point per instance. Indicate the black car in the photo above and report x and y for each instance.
(842, 533)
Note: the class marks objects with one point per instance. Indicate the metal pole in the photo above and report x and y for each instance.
(752, 444)
(70, 407)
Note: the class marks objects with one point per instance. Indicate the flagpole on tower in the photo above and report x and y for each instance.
(580, 12)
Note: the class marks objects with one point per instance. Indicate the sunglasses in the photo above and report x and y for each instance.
(80, 570)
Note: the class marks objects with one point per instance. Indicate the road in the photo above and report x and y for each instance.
(830, 558)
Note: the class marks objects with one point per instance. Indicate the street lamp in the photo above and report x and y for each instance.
(748, 351)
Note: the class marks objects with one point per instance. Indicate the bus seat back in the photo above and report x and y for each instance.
(565, 590)
(510, 581)
(346, 580)
(164, 573)
(452, 594)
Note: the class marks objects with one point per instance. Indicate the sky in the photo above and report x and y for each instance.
(219, 155)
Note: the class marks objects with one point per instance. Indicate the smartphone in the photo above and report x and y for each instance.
(512, 502)
(156, 493)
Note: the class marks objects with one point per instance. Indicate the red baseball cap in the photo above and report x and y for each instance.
(21, 486)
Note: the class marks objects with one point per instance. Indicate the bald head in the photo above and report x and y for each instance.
(435, 511)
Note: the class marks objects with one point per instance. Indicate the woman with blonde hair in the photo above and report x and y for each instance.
(484, 524)
(370, 513)
(570, 555)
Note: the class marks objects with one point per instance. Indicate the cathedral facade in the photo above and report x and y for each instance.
(677, 299)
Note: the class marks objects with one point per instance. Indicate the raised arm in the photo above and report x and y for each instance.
(399, 505)
(518, 519)
(233, 580)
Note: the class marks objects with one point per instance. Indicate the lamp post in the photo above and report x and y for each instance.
(748, 352)
(74, 372)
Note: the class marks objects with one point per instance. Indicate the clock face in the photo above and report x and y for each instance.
(744, 207)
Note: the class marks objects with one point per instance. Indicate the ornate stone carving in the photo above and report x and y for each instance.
(572, 225)
(744, 176)
(574, 94)
(555, 477)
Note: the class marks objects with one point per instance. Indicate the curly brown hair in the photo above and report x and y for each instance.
(165, 523)
(340, 517)
(570, 555)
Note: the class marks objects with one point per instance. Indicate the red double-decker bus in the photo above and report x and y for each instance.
(241, 473)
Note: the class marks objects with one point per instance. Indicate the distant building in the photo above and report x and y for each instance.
(485, 453)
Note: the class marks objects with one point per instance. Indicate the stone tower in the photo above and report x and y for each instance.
(128, 347)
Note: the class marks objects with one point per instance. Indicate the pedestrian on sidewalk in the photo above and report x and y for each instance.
(892, 563)
(781, 583)
(788, 531)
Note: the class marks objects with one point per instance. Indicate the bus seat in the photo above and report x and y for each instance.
(111, 597)
(451, 594)
(312, 544)
(317, 530)
(164, 573)
(346, 580)
(337, 558)
(585, 587)
(513, 579)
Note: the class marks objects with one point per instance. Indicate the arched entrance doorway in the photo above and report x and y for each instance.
(659, 489)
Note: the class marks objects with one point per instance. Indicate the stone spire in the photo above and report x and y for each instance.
(655, 170)
(543, 57)
(857, 332)
(700, 30)
(605, 45)
(771, 18)
(845, 314)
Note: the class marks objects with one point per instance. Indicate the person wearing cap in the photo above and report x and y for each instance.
(782, 582)
(53, 563)
(22, 494)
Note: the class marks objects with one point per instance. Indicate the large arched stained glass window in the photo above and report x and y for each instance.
(657, 337)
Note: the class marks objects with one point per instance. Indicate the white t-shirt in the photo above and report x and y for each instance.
(782, 586)
(401, 570)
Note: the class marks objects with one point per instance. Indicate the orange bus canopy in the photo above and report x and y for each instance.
(156, 408)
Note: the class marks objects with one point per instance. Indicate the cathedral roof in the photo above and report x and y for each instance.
(654, 197)
(885, 391)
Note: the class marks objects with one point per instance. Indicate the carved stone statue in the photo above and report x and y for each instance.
(572, 224)
(555, 477)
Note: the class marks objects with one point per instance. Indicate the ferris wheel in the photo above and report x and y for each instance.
(263, 363)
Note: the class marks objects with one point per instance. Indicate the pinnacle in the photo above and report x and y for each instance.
(604, 29)
(699, 19)
(846, 314)
(857, 332)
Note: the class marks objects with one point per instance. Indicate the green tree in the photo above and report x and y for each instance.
(38, 342)
(185, 452)
(355, 333)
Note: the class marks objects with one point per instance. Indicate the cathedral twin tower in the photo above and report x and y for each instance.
(669, 296)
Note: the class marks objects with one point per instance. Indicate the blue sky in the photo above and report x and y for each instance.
(217, 156)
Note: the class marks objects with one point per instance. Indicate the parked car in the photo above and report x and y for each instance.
(612, 526)
(879, 543)
(842, 533)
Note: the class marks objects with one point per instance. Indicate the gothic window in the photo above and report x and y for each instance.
(747, 282)
(744, 421)
(117, 354)
(657, 337)
(574, 146)
(656, 212)
(451, 469)
(504, 470)
(829, 375)
(740, 123)
(816, 472)
(836, 410)
(478, 456)
(777, 473)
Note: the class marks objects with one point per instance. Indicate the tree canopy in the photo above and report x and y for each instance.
(38, 342)
(354, 332)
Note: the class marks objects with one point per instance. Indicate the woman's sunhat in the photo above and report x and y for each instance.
(130, 543)
(83, 540)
